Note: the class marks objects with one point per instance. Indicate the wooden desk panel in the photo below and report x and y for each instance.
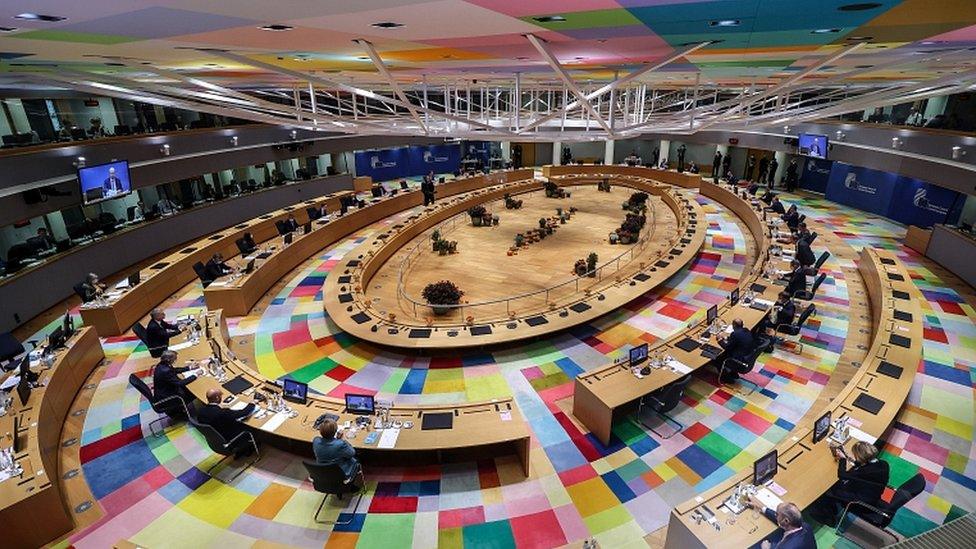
(671, 177)
(33, 503)
(807, 470)
(479, 428)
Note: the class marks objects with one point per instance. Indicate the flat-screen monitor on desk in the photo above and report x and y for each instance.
(734, 296)
(288, 238)
(104, 181)
(712, 314)
(217, 352)
(638, 354)
(821, 427)
(16, 445)
(23, 391)
(68, 325)
(56, 339)
(295, 391)
(25, 371)
(764, 468)
(307, 228)
(134, 279)
(810, 144)
(360, 404)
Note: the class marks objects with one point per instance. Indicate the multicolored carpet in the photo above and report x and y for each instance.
(152, 487)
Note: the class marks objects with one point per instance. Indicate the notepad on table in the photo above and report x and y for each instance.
(274, 422)
(388, 438)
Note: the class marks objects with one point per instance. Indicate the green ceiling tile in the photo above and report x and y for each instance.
(588, 19)
(79, 37)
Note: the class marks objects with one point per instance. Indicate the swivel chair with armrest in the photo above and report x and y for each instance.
(663, 401)
(163, 406)
(140, 332)
(867, 524)
(792, 331)
(821, 260)
(201, 270)
(330, 480)
(226, 448)
(809, 295)
(744, 366)
(17, 257)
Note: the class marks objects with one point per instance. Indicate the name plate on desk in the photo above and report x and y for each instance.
(274, 422)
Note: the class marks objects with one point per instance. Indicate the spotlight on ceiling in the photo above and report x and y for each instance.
(958, 152)
(233, 141)
(80, 162)
(824, 31)
(164, 150)
(896, 143)
(724, 23)
(8, 29)
(858, 38)
(293, 134)
(862, 6)
(387, 25)
(841, 135)
(276, 28)
(549, 18)
(40, 17)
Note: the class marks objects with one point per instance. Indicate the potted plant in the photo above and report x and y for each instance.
(486, 219)
(551, 189)
(624, 235)
(542, 223)
(477, 214)
(434, 238)
(614, 238)
(580, 267)
(519, 240)
(441, 295)
(452, 246)
(559, 212)
(591, 264)
(495, 219)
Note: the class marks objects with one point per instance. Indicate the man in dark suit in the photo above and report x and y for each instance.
(785, 309)
(777, 206)
(247, 244)
(427, 188)
(739, 345)
(291, 223)
(804, 254)
(226, 421)
(750, 167)
(773, 166)
(167, 383)
(716, 166)
(865, 481)
(216, 267)
(797, 278)
(763, 167)
(791, 175)
(113, 184)
(158, 332)
(793, 533)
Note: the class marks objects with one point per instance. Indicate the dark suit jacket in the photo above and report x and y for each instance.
(216, 269)
(292, 224)
(89, 292)
(797, 281)
(802, 539)
(112, 184)
(224, 420)
(779, 208)
(804, 254)
(167, 383)
(863, 482)
(786, 313)
(739, 345)
(158, 334)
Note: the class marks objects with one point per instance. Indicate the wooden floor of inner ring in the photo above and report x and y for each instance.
(484, 271)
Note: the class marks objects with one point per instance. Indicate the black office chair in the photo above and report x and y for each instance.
(313, 213)
(163, 406)
(792, 331)
(79, 289)
(242, 247)
(140, 332)
(79, 134)
(745, 366)
(226, 448)
(17, 256)
(330, 480)
(282, 227)
(813, 236)
(809, 295)
(663, 401)
(107, 223)
(202, 274)
(123, 129)
(868, 525)
(821, 260)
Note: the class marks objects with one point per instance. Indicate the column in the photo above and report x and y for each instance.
(507, 151)
(665, 149)
(934, 106)
(608, 152)
(557, 153)
(783, 160)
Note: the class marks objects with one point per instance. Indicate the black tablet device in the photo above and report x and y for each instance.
(821, 427)
(764, 468)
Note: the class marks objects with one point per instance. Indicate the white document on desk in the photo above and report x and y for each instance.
(274, 422)
(388, 438)
(768, 498)
(679, 366)
(220, 283)
(858, 434)
(181, 346)
(239, 405)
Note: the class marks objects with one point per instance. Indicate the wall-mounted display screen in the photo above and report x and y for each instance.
(104, 181)
(813, 145)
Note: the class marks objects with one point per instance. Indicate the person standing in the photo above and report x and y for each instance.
(427, 188)
(655, 156)
(727, 163)
(771, 179)
(791, 175)
(681, 158)
(716, 166)
(763, 167)
(750, 168)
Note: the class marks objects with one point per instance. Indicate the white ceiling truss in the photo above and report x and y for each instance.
(638, 100)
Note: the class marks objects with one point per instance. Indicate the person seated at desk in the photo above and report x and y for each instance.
(796, 278)
(248, 245)
(804, 253)
(792, 217)
(774, 204)
(731, 178)
(753, 188)
(291, 223)
(41, 242)
(165, 206)
(693, 168)
(793, 533)
(664, 164)
(865, 481)
(216, 267)
(90, 288)
(227, 422)
(317, 212)
(330, 449)
(739, 345)
(167, 383)
(784, 311)
(158, 332)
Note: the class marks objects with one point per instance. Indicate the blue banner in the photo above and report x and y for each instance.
(815, 175)
(434, 158)
(862, 188)
(393, 164)
(919, 203)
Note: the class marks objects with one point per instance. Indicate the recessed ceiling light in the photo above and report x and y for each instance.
(521, 58)
(860, 7)
(579, 58)
(40, 17)
(724, 23)
(363, 58)
(550, 19)
(387, 25)
(824, 31)
(859, 38)
(276, 28)
(8, 29)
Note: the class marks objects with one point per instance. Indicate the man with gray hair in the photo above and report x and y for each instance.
(167, 382)
(793, 533)
(158, 332)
